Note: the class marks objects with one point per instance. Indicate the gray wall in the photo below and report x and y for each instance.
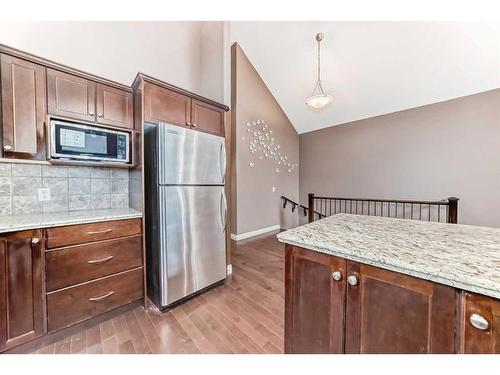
(431, 152)
(254, 204)
(71, 188)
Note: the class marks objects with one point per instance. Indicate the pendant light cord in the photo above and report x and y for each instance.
(319, 61)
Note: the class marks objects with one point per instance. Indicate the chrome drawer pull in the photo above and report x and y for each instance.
(98, 261)
(479, 322)
(100, 232)
(100, 298)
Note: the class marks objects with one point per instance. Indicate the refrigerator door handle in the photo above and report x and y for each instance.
(223, 210)
(222, 161)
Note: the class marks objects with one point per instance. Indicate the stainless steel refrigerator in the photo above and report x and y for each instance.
(186, 212)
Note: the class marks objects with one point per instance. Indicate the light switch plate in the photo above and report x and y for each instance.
(274, 189)
(43, 194)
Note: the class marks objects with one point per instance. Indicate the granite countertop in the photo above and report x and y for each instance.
(14, 223)
(462, 256)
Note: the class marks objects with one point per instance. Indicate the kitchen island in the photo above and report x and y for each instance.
(366, 284)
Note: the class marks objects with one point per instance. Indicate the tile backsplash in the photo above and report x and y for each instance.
(71, 188)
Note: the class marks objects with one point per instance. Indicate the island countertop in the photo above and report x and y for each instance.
(462, 256)
(13, 223)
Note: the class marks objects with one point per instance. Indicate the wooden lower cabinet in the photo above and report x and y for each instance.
(388, 312)
(53, 278)
(314, 302)
(22, 289)
(366, 309)
(480, 324)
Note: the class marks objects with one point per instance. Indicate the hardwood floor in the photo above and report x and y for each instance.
(245, 315)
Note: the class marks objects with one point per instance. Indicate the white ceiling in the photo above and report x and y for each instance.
(371, 68)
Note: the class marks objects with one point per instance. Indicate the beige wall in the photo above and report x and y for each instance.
(185, 54)
(431, 152)
(256, 206)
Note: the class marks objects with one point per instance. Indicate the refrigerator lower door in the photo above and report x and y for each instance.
(193, 246)
(189, 157)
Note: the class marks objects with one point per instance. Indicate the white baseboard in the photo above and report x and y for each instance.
(242, 236)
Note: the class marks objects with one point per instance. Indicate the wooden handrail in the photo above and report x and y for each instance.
(295, 204)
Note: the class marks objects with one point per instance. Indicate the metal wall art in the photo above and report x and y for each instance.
(263, 146)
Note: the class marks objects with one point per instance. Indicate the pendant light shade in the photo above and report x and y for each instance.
(319, 98)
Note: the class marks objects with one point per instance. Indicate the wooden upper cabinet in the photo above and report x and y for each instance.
(114, 107)
(314, 302)
(70, 96)
(207, 118)
(23, 108)
(480, 325)
(22, 296)
(388, 312)
(162, 105)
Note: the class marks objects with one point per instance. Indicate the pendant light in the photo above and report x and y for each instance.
(319, 99)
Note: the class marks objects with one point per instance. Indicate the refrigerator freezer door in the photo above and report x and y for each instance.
(193, 247)
(189, 157)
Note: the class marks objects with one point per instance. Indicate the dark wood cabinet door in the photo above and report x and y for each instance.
(114, 107)
(162, 105)
(22, 292)
(70, 96)
(388, 312)
(207, 118)
(23, 108)
(314, 302)
(480, 325)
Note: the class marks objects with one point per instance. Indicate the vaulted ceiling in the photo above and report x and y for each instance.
(371, 68)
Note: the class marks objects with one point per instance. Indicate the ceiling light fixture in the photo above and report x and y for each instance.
(319, 99)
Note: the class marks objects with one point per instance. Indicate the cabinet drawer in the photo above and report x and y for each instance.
(82, 233)
(80, 302)
(76, 264)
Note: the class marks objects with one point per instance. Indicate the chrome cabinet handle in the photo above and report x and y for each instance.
(35, 240)
(99, 115)
(99, 261)
(100, 298)
(188, 124)
(7, 148)
(100, 232)
(336, 275)
(91, 113)
(353, 280)
(193, 125)
(479, 322)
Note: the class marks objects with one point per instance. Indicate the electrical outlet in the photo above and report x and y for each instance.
(229, 269)
(43, 194)
(274, 189)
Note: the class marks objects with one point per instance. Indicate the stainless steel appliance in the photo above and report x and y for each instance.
(77, 141)
(186, 212)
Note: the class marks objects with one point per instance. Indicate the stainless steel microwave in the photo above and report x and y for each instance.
(72, 141)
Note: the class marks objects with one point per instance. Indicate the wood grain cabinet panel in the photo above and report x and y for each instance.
(314, 302)
(388, 312)
(480, 325)
(207, 118)
(22, 292)
(162, 105)
(83, 233)
(83, 301)
(76, 264)
(23, 108)
(114, 107)
(70, 96)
